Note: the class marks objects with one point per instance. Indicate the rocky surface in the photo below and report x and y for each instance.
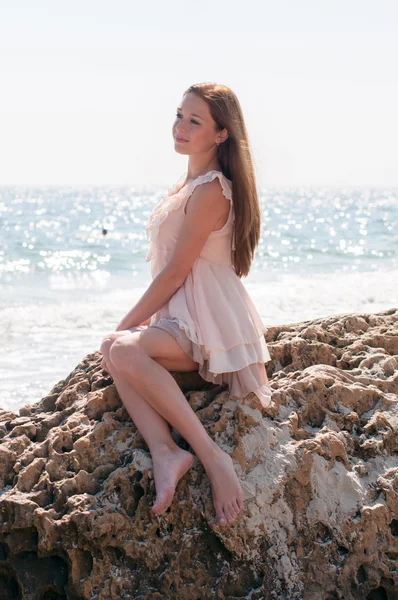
(319, 469)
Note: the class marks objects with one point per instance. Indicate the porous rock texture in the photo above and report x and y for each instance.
(319, 469)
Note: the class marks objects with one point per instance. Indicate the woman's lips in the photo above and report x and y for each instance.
(180, 140)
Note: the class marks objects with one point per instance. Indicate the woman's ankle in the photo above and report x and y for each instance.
(209, 456)
(162, 447)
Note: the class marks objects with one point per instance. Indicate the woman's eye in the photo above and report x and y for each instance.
(178, 115)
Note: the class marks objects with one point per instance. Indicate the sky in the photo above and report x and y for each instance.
(89, 88)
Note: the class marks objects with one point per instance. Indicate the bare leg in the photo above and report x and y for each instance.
(156, 433)
(159, 389)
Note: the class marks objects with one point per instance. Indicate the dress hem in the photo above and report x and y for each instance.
(235, 379)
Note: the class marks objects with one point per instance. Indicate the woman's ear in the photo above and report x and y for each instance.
(222, 136)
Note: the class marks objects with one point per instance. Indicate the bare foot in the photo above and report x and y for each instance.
(169, 465)
(226, 488)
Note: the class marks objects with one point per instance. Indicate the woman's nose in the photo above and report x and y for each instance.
(180, 126)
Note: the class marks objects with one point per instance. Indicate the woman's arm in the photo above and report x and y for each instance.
(207, 205)
(162, 288)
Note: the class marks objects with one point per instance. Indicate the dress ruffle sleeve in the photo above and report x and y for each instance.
(175, 197)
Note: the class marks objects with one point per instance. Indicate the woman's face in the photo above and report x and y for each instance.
(194, 129)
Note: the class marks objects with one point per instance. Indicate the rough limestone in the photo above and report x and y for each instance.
(319, 469)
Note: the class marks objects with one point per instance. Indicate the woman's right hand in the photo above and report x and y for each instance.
(146, 322)
(104, 366)
(122, 327)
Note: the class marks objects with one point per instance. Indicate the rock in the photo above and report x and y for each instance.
(319, 469)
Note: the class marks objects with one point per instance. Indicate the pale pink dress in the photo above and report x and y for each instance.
(211, 315)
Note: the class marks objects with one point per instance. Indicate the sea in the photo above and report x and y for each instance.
(72, 264)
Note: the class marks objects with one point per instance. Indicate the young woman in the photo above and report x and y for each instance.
(196, 315)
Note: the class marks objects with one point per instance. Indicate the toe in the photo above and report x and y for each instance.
(229, 512)
(232, 510)
(221, 516)
(236, 505)
(157, 507)
(163, 501)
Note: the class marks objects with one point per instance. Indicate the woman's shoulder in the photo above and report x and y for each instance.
(225, 182)
(187, 186)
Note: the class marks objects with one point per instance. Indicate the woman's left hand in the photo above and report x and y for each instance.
(104, 366)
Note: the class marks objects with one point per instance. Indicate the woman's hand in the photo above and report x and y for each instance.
(104, 365)
(143, 325)
(146, 322)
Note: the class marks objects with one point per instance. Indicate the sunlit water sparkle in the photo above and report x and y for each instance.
(72, 263)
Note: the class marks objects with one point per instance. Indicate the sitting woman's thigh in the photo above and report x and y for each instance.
(161, 346)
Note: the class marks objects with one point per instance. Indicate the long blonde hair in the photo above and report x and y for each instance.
(235, 158)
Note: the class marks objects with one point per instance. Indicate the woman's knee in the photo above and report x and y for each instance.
(123, 353)
(105, 347)
(110, 339)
